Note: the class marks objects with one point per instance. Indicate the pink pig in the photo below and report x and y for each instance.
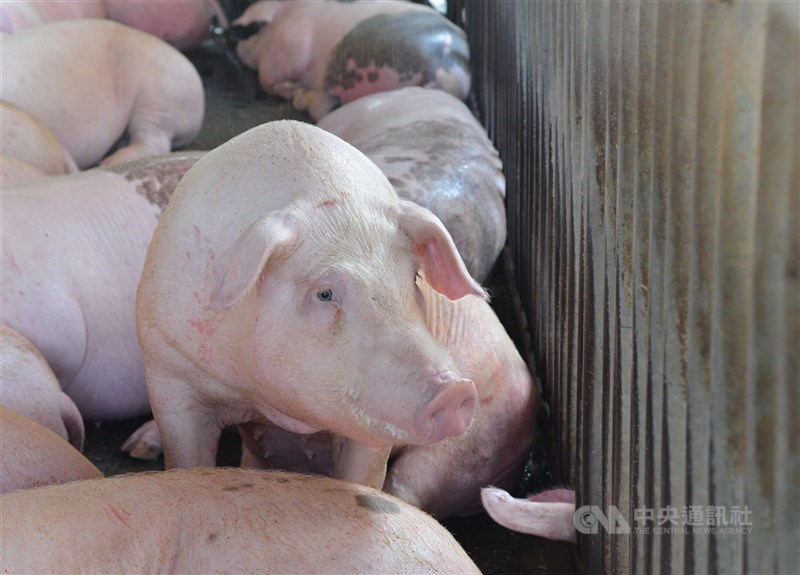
(29, 386)
(184, 24)
(324, 54)
(73, 248)
(32, 456)
(221, 521)
(280, 288)
(94, 81)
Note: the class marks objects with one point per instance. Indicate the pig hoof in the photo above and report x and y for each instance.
(144, 443)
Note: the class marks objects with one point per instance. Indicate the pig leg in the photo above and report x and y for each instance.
(146, 140)
(189, 429)
(145, 442)
(549, 514)
(317, 104)
(73, 421)
(359, 463)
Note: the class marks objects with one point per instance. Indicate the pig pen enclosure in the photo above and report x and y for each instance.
(651, 152)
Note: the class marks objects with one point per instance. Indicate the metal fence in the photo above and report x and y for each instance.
(652, 154)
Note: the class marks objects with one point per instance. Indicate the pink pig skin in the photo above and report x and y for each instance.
(14, 172)
(32, 456)
(435, 153)
(221, 521)
(279, 287)
(73, 248)
(182, 23)
(93, 81)
(28, 385)
(24, 137)
(323, 54)
(549, 514)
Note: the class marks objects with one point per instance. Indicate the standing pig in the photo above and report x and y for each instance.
(24, 137)
(32, 456)
(443, 479)
(324, 54)
(280, 288)
(221, 521)
(94, 81)
(73, 248)
(435, 153)
(28, 385)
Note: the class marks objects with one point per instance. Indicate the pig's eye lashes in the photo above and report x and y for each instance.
(324, 295)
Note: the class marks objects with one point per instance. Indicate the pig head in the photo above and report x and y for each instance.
(310, 318)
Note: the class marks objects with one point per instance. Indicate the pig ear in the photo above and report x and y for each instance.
(240, 267)
(442, 265)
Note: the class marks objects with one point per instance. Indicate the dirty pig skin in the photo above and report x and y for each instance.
(324, 54)
(280, 286)
(221, 521)
(91, 82)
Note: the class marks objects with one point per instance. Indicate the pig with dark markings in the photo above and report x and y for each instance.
(280, 287)
(221, 521)
(184, 24)
(33, 456)
(91, 82)
(24, 137)
(324, 54)
(73, 248)
(28, 385)
(437, 154)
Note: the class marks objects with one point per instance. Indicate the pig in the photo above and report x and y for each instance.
(437, 154)
(443, 479)
(221, 521)
(324, 54)
(550, 514)
(94, 81)
(33, 456)
(29, 386)
(14, 172)
(72, 252)
(24, 137)
(280, 288)
(183, 24)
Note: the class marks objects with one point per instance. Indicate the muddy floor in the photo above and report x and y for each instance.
(234, 103)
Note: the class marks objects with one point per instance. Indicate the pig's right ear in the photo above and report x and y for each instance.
(240, 267)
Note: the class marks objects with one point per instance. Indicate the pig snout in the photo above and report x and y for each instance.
(450, 411)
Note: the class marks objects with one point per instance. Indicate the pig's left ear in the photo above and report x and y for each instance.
(444, 269)
(240, 267)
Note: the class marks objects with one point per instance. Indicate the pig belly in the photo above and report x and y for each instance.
(221, 521)
(33, 456)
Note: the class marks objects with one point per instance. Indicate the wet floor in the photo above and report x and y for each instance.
(234, 104)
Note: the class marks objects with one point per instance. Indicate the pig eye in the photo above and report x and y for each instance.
(325, 295)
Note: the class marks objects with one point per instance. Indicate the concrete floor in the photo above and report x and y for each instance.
(234, 103)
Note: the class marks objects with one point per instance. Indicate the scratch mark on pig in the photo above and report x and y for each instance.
(238, 487)
(212, 537)
(203, 326)
(120, 514)
(377, 504)
(327, 203)
(13, 262)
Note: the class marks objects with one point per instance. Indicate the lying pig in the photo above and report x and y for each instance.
(221, 521)
(24, 137)
(28, 385)
(436, 154)
(73, 248)
(280, 288)
(32, 456)
(183, 24)
(550, 514)
(323, 54)
(94, 81)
